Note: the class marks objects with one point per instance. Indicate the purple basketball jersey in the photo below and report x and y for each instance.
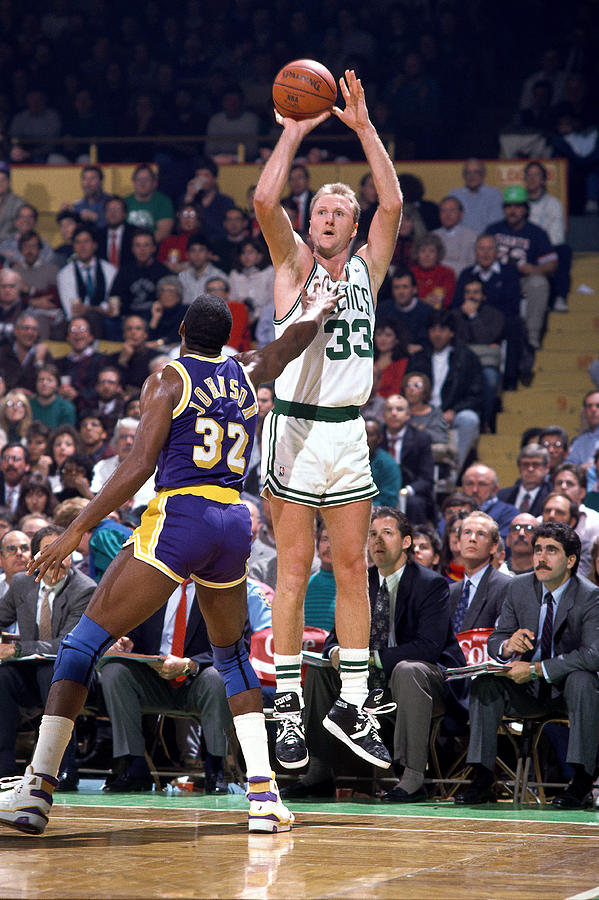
(213, 426)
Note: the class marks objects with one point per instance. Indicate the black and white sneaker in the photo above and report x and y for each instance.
(290, 745)
(358, 728)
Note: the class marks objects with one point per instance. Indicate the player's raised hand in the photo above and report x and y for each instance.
(322, 297)
(302, 127)
(355, 114)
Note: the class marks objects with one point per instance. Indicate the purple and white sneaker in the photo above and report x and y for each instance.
(25, 802)
(267, 812)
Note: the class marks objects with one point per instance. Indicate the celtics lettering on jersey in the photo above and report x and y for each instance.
(213, 426)
(336, 369)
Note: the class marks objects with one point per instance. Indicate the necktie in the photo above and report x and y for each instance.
(178, 644)
(45, 623)
(547, 633)
(298, 215)
(89, 283)
(525, 505)
(379, 630)
(113, 253)
(462, 607)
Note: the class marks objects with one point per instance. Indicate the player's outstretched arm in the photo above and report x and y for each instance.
(160, 395)
(274, 222)
(382, 235)
(267, 364)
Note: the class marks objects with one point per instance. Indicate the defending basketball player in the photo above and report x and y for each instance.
(315, 454)
(198, 419)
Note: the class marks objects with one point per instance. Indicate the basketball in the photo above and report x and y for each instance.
(303, 89)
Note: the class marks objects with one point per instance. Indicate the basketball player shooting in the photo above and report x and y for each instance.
(198, 420)
(315, 454)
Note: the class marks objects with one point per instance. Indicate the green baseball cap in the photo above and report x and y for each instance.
(515, 193)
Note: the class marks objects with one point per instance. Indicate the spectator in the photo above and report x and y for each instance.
(386, 472)
(519, 542)
(75, 475)
(167, 312)
(39, 284)
(202, 191)
(107, 399)
(457, 239)
(527, 247)
(22, 357)
(79, 368)
(67, 221)
(36, 497)
(64, 442)
(37, 443)
(47, 405)
(413, 193)
(593, 575)
(173, 249)
(480, 482)
(390, 356)
(411, 229)
(301, 195)
(481, 203)
(135, 284)
(262, 562)
(528, 493)
(124, 435)
(583, 447)
(579, 144)
(411, 450)
(10, 203)
(37, 123)
(481, 328)
(548, 213)
(12, 304)
(416, 388)
(564, 660)
(319, 602)
(90, 208)
(14, 465)
(550, 71)
(135, 356)
(266, 401)
(571, 480)
(427, 547)
(435, 282)
(411, 313)
(15, 554)
(147, 207)
(239, 338)
(455, 374)
(115, 239)
(200, 270)
(93, 436)
(25, 222)
(555, 441)
(86, 283)
(15, 415)
(252, 278)
(232, 126)
(476, 600)
(236, 226)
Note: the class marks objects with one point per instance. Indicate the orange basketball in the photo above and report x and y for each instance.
(303, 89)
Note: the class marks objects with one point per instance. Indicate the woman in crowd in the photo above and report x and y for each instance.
(416, 388)
(390, 357)
(15, 415)
(435, 282)
(36, 496)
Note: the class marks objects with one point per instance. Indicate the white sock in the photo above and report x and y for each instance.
(55, 734)
(288, 671)
(353, 669)
(251, 734)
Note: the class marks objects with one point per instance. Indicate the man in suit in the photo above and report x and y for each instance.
(529, 492)
(116, 238)
(411, 449)
(548, 632)
(476, 600)
(44, 613)
(15, 554)
(14, 465)
(182, 680)
(300, 196)
(85, 284)
(411, 639)
(456, 378)
(80, 367)
(480, 482)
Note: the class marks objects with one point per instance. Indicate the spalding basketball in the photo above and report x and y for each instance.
(303, 89)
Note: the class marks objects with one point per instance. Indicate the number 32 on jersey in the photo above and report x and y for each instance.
(209, 454)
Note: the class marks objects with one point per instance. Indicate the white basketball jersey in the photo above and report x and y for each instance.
(336, 368)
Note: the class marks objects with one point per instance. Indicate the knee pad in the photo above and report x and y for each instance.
(233, 664)
(80, 650)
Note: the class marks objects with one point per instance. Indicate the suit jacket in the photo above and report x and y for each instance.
(417, 465)
(575, 628)
(509, 494)
(20, 604)
(487, 601)
(305, 223)
(422, 627)
(502, 512)
(3, 492)
(68, 288)
(462, 388)
(126, 255)
(146, 637)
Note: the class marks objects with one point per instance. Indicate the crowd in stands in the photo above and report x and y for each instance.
(459, 319)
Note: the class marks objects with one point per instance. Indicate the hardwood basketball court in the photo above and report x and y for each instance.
(157, 846)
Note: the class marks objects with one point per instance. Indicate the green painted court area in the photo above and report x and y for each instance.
(90, 794)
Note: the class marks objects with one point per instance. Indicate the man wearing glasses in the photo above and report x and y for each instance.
(555, 441)
(528, 493)
(519, 542)
(584, 446)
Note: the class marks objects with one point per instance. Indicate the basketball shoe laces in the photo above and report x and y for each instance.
(367, 720)
(7, 784)
(291, 728)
